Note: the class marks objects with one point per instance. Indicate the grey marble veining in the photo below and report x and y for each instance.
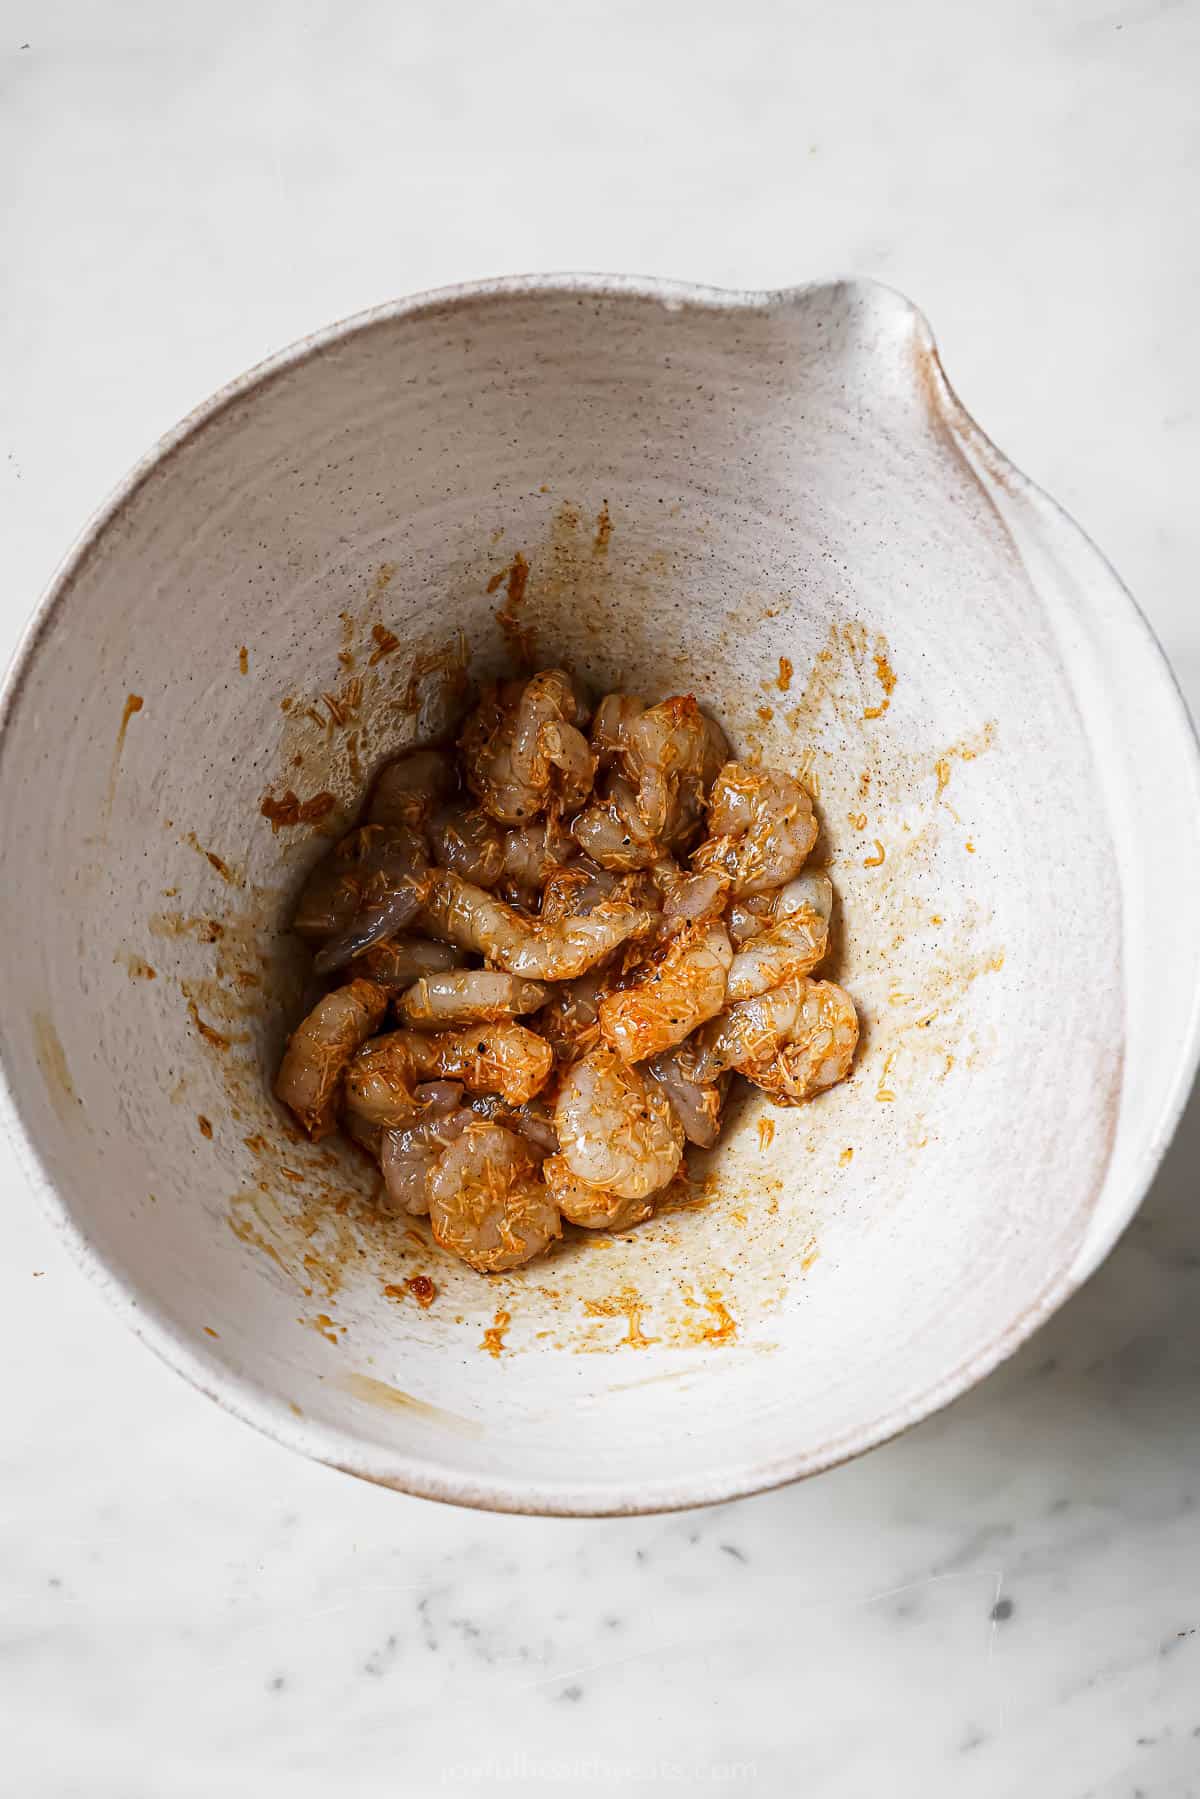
(1007, 1600)
(1008, 1590)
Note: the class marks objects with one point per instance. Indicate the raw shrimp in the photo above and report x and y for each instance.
(684, 988)
(612, 831)
(439, 1098)
(611, 724)
(793, 943)
(399, 961)
(381, 1082)
(673, 755)
(407, 789)
(792, 1042)
(330, 896)
(575, 978)
(637, 889)
(368, 1137)
(570, 1019)
(547, 745)
(596, 1208)
(522, 746)
(333, 893)
(571, 891)
(747, 918)
(487, 1203)
(406, 1156)
(503, 1058)
(464, 838)
(555, 950)
(534, 1120)
(394, 883)
(688, 897)
(665, 760)
(532, 854)
(486, 745)
(615, 1130)
(761, 828)
(320, 1048)
(468, 996)
(697, 1104)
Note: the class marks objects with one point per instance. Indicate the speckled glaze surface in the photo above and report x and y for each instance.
(772, 500)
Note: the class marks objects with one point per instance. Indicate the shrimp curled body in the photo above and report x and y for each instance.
(502, 1058)
(761, 828)
(697, 1104)
(407, 1157)
(320, 1048)
(685, 988)
(794, 941)
(616, 1130)
(595, 1208)
(793, 1042)
(487, 1202)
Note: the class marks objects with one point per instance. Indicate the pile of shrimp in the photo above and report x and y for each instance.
(579, 924)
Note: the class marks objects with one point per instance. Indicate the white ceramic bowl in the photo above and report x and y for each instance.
(710, 490)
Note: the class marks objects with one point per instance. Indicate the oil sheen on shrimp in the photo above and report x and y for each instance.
(673, 755)
(575, 977)
(486, 747)
(406, 1156)
(750, 917)
(549, 751)
(570, 1018)
(394, 883)
(381, 1082)
(697, 1104)
(683, 987)
(615, 1129)
(407, 789)
(333, 893)
(793, 943)
(503, 1057)
(522, 746)
(330, 896)
(761, 829)
(688, 897)
(541, 950)
(320, 1048)
(612, 831)
(534, 1120)
(487, 1201)
(464, 838)
(531, 854)
(792, 1042)
(595, 1208)
(579, 888)
(468, 996)
(399, 961)
(611, 724)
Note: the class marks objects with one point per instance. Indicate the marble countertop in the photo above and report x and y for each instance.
(1007, 1600)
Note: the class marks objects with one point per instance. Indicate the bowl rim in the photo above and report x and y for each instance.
(418, 1476)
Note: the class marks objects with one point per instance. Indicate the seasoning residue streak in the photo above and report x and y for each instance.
(394, 1399)
(133, 703)
(493, 1336)
(51, 1059)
